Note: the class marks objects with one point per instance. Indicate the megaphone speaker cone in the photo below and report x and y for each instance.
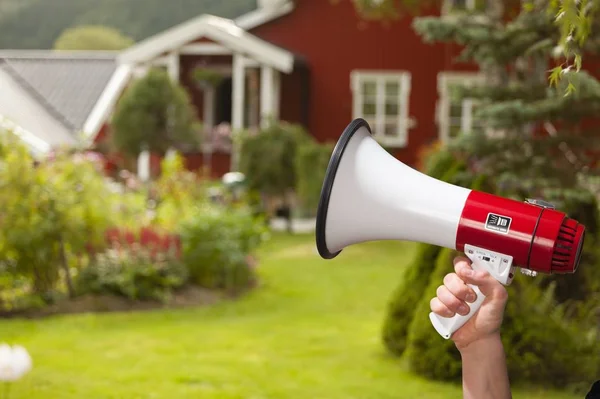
(370, 195)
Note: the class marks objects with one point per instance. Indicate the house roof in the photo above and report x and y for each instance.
(66, 84)
(24, 115)
(232, 34)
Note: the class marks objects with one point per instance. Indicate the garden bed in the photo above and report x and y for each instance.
(187, 297)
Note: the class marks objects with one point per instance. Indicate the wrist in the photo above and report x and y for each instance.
(480, 347)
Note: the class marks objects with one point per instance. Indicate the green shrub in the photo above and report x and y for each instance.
(401, 308)
(132, 273)
(157, 113)
(49, 212)
(311, 164)
(268, 158)
(217, 244)
(543, 346)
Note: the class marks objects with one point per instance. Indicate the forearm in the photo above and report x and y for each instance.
(484, 370)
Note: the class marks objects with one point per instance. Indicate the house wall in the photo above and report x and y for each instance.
(334, 40)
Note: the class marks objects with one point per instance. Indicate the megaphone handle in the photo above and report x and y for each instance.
(446, 326)
(498, 265)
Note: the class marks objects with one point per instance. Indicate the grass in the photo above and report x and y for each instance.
(312, 331)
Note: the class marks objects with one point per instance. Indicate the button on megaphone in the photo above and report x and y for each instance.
(369, 195)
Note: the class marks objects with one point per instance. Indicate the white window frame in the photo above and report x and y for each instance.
(404, 122)
(445, 79)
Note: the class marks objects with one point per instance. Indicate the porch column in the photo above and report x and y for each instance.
(267, 91)
(237, 113)
(276, 94)
(208, 113)
(238, 92)
(143, 165)
(173, 65)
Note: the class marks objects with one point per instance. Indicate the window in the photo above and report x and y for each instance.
(382, 99)
(456, 116)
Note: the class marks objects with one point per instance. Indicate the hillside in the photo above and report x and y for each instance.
(35, 24)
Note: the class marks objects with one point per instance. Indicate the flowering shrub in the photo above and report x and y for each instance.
(151, 240)
(133, 272)
(217, 245)
(49, 212)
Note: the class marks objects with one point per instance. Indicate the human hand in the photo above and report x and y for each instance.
(455, 295)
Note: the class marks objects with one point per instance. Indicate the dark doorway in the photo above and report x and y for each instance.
(223, 102)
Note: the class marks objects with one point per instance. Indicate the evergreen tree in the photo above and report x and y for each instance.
(92, 37)
(531, 136)
(157, 114)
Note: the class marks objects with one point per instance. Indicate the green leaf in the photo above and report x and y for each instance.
(555, 74)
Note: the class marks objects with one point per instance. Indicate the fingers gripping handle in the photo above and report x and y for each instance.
(446, 326)
(498, 265)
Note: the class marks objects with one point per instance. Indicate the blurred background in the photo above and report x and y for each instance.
(161, 165)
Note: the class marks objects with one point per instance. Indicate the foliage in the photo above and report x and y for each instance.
(56, 208)
(177, 193)
(207, 77)
(576, 21)
(401, 308)
(217, 244)
(50, 19)
(572, 23)
(155, 113)
(268, 157)
(134, 273)
(312, 159)
(92, 37)
(520, 114)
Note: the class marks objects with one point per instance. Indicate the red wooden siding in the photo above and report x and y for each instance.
(335, 40)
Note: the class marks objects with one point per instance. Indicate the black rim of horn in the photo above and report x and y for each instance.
(332, 168)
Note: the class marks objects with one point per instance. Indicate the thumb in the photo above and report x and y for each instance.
(488, 285)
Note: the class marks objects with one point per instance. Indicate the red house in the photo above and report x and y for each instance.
(313, 62)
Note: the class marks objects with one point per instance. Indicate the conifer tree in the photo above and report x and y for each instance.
(531, 135)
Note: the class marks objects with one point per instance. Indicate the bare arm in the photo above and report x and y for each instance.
(484, 370)
(483, 359)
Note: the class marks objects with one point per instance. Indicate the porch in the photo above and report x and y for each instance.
(236, 82)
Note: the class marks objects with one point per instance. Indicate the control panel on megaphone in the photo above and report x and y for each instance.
(369, 195)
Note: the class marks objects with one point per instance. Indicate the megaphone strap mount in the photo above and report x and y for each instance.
(334, 163)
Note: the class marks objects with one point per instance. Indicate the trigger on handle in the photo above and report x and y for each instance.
(446, 326)
(500, 266)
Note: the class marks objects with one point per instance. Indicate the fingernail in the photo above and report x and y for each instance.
(471, 298)
(463, 309)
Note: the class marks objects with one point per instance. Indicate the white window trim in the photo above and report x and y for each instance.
(443, 105)
(404, 121)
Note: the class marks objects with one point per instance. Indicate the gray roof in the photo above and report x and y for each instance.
(66, 84)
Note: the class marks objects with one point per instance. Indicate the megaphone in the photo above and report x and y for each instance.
(368, 195)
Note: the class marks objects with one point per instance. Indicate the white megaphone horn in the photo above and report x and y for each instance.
(369, 195)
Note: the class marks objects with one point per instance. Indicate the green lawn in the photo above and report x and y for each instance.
(312, 331)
